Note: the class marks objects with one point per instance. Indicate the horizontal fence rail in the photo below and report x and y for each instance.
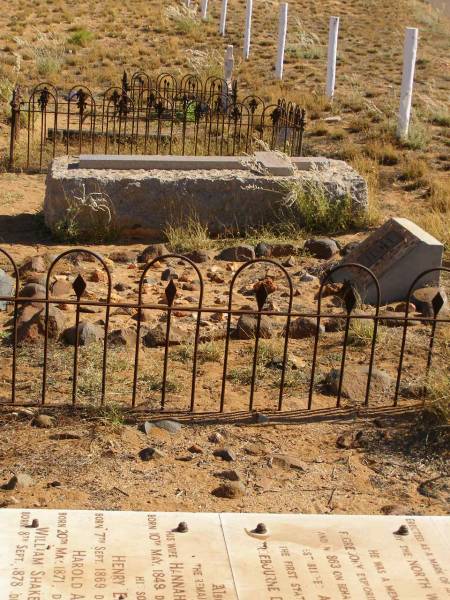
(148, 116)
(81, 300)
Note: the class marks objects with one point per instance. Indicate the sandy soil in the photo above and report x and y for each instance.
(90, 459)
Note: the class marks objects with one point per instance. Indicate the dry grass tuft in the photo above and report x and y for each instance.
(188, 236)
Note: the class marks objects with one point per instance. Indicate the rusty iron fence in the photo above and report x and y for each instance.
(148, 116)
(82, 301)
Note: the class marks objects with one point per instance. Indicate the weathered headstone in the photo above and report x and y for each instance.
(397, 253)
(69, 554)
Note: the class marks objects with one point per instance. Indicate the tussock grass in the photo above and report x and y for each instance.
(185, 19)
(303, 43)
(438, 224)
(284, 231)
(310, 206)
(188, 236)
(80, 37)
(47, 51)
(206, 352)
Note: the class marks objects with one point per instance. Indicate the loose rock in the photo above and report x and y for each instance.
(169, 274)
(324, 248)
(7, 286)
(231, 475)
(437, 488)
(157, 336)
(308, 278)
(197, 256)
(247, 326)
(36, 264)
(43, 421)
(304, 327)
(279, 250)
(355, 383)
(237, 254)
(195, 449)
(147, 454)
(263, 250)
(168, 425)
(423, 299)
(32, 291)
(348, 248)
(122, 257)
(88, 333)
(230, 490)
(151, 252)
(286, 461)
(62, 288)
(123, 337)
(225, 454)
(19, 481)
(33, 328)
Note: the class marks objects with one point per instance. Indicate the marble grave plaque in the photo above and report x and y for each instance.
(102, 555)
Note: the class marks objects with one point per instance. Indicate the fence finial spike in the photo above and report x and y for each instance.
(79, 286)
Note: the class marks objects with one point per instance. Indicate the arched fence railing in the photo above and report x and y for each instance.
(147, 115)
(91, 362)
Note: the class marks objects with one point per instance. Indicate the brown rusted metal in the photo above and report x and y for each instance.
(170, 294)
(15, 124)
(144, 115)
(79, 286)
(15, 302)
(349, 301)
(261, 296)
(437, 305)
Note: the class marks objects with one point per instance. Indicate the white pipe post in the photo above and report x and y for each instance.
(282, 30)
(332, 54)
(409, 64)
(248, 28)
(204, 7)
(223, 17)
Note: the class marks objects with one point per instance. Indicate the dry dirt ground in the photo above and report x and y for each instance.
(348, 461)
(391, 461)
(386, 472)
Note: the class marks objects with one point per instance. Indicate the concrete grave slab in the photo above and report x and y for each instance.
(307, 163)
(71, 555)
(274, 163)
(397, 253)
(159, 163)
(225, 200)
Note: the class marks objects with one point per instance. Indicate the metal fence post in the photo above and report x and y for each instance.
(15, 124)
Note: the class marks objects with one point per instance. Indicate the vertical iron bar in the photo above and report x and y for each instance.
(255, 360)
(166, 358)
(75, 358)
(344, 355)
(15, 124)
